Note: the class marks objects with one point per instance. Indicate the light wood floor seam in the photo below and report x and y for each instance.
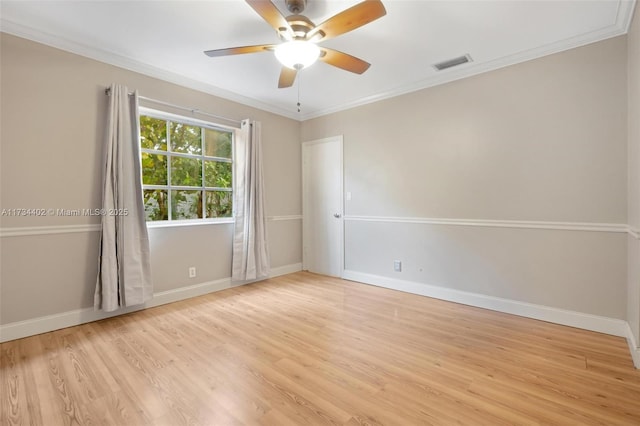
(308, 349)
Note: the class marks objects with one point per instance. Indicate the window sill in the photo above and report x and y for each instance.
(179, 223)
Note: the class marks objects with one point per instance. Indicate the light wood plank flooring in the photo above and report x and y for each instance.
(307, 349)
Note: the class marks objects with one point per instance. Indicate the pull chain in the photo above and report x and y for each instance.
(299, 82)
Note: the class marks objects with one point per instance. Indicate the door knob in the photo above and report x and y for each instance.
(337, 215)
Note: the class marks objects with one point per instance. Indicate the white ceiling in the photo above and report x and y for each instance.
(166, 39)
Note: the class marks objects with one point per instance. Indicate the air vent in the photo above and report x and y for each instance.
(452, 62)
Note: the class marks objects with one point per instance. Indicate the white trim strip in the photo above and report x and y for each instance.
(565, 226)
(69, 229)
(92, 52)
(634, 232)
(31, 327)
(46, 230)
(585, 321)
(600, 324)
(180, 223)
(289, 217)
(633, 347)
(618, 27)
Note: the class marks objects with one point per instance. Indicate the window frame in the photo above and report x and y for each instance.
(176, 118)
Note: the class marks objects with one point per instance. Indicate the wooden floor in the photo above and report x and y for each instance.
(307, 349)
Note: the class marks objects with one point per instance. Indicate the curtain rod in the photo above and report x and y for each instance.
(107, 92)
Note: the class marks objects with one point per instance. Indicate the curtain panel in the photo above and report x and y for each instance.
(250, 250)
(124, 271)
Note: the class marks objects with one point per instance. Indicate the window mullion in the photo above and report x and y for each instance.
(169, 157)
(186, 188)
(220, 159)
(153, 151)
(203, 192)
(185, 155)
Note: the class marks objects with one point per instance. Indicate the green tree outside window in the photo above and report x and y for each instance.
(187, 169)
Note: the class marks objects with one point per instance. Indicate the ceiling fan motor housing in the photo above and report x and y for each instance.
(295, 6)
(300, 25)
(299, 35)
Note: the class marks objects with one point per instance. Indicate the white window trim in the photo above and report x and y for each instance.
(189, 222)
(184, 120)
(169, 223)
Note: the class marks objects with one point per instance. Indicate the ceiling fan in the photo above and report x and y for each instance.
(300, 35)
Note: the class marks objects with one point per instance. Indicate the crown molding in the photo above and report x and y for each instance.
(625, 14)
(111, 58)
(619, 27)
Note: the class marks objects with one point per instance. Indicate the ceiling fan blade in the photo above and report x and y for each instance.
(287, 77)
(270, 13)
(343, 60)
(239, 50)
(350, 19)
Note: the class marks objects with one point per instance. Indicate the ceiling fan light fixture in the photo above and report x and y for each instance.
(297, 54)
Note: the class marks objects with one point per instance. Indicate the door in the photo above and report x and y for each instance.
(322, 206)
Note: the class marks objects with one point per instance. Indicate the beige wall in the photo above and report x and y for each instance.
(53, 109)
(544, 140)
(633, 74)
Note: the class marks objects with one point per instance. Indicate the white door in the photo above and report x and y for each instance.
(322, 206)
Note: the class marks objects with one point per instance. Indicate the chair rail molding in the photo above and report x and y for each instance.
(563, 226)
(23, 231)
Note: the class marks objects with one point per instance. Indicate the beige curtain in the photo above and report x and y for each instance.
(250, 251)
(124, 277)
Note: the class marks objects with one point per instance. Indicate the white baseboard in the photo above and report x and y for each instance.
(597, 323)
(286, 269)
(613, 326)
(31, 327)
(633, 347)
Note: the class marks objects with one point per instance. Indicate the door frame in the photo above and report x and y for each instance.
(305, 209)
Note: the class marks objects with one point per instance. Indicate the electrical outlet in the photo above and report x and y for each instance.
(397, 266)
(192, 272)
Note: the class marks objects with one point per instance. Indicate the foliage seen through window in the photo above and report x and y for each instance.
(186, 170)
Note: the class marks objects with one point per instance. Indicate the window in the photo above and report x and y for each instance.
(186, 167)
